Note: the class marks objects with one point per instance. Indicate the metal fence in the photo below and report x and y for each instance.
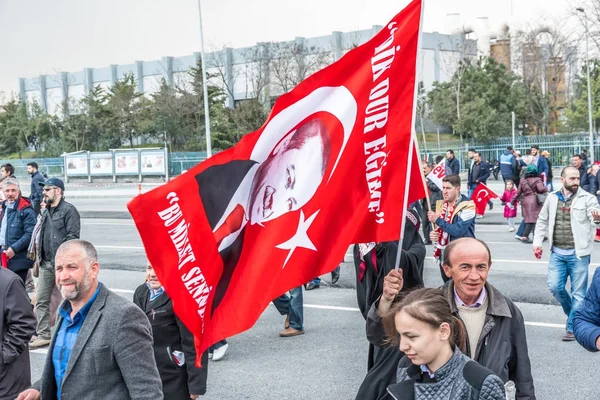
(48, 166)
(178, 161)
(181, 161)
(561, 147)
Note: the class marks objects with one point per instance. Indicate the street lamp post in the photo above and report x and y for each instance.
(204, 86)
(589, 90)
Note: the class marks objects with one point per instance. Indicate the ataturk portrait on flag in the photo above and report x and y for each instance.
(262, 189)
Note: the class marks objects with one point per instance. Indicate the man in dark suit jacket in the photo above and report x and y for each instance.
(246, 191)
(17, 325)
(102, 345)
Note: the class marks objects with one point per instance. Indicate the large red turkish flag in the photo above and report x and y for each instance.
(327, 169)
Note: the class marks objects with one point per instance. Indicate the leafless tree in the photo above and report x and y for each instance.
(292, 62)
(592, 13)
(546, 57)
(217, 59)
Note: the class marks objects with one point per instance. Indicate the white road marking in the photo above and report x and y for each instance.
(109, 223)
(545, 325)
(324, 307)
(120, 247)
(123, 291)
(511, 261)
(336, 308)
(507, 243)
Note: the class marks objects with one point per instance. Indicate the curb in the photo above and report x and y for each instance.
(105, 215)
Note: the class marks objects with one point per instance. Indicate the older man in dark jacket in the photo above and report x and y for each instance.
(17, 220)
(495, 327)
(17, 325)
(174, 349)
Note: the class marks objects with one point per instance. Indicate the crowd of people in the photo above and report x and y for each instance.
(462, 340)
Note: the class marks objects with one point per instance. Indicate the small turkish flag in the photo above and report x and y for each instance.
(328, 168)
(481, 196)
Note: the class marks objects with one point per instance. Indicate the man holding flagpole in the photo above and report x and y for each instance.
(435, 194)
(454, 217)
(480, 173)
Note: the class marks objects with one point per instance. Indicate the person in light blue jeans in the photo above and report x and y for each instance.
(569, 218)
(565, 265)
(293, 307)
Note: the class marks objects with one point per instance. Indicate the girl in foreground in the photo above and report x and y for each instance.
(434, 367)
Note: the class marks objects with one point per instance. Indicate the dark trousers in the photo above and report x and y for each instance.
(528, 229)
(426, 226)
(22, 274)
(444, 277)
(36, 207)
(218, 345)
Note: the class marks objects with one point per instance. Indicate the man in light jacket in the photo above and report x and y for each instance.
(569, 219)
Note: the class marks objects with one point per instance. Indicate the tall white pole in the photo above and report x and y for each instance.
(204, 86)
(513, 129)
(412, 146)
(589, 90)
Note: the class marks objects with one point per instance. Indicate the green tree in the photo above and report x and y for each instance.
(488, 95)
(127, 110)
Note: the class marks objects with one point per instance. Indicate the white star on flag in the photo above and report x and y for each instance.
(300, 238)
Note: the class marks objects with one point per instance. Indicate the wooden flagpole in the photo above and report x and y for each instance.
(411, 146)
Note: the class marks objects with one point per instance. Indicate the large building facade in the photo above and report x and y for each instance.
(244, 73)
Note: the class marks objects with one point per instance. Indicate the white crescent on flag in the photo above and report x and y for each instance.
(483, 192)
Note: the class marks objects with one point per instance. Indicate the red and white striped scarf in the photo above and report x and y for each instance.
(446, 215)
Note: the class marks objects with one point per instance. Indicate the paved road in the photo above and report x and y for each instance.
(329, 362)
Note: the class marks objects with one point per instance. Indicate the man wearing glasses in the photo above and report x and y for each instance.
(60, 223)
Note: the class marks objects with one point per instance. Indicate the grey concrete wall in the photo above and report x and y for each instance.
(235, 67)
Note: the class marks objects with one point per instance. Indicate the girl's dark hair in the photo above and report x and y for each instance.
(430, 306)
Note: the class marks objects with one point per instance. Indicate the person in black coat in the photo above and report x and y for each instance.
(371, 269)
(173, 343)
(435, 194)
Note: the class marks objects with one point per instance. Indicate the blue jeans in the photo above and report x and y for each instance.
(317, 280)
(521, 228)
(292, 305)
(560, 268)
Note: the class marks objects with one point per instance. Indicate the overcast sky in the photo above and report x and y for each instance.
(47, 36)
